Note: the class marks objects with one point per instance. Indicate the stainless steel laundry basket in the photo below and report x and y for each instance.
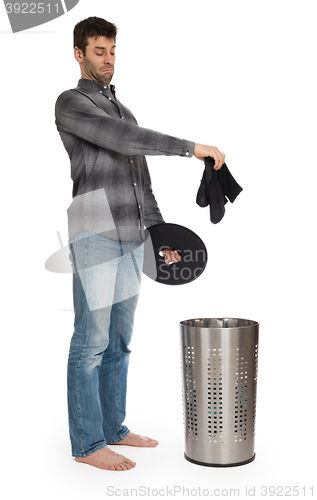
(219, 361)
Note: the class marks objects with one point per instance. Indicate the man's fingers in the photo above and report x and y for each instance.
(177, 256)
(171, 256)
(219, 160)
(202, 152)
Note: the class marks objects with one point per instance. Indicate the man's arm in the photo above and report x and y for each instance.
(76, 114)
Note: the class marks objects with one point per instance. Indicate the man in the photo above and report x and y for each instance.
(113, 202)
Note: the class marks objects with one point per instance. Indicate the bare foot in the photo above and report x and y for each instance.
(136, 440)
(108, 460)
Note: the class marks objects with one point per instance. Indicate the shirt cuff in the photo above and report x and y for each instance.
(188, 149)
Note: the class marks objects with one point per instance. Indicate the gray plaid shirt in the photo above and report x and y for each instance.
(112, 192)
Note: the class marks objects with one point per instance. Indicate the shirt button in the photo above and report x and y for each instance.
(131, 161)
(187, 153)
(122, 117)
(109, 98)
(135, 183)
(100, 91)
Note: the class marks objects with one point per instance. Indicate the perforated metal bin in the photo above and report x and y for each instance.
(219, 364)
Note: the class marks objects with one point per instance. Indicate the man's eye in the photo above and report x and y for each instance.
(99, 54)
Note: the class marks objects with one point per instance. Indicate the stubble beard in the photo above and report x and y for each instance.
(93, 74)
(107, 78)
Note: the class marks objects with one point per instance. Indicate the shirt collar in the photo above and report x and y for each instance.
(95, 86)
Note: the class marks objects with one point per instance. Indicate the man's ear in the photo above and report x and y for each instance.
(78, 54)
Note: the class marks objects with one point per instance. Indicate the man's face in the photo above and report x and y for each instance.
(98, 62)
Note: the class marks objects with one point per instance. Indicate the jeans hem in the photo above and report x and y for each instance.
(125, 433)
(90, 452)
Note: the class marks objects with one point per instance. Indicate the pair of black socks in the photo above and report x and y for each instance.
(216, 188)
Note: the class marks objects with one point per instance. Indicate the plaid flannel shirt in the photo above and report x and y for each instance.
(112, 193)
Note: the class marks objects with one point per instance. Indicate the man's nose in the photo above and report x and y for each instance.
(109, 59)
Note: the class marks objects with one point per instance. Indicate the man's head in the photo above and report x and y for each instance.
(94, 48)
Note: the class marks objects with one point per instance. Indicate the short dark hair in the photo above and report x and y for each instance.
(92, 27)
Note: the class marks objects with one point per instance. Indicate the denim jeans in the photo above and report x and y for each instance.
(106, 281)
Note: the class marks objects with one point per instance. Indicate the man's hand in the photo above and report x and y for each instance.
(202, 151)
(171, 256)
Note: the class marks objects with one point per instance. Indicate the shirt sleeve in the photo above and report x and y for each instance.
(78, 115)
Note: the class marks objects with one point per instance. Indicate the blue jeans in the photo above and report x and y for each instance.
(106, 281)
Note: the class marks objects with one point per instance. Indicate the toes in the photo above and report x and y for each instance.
(125, 464)
(129, 464)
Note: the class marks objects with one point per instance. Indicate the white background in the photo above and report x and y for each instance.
(237, 75)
